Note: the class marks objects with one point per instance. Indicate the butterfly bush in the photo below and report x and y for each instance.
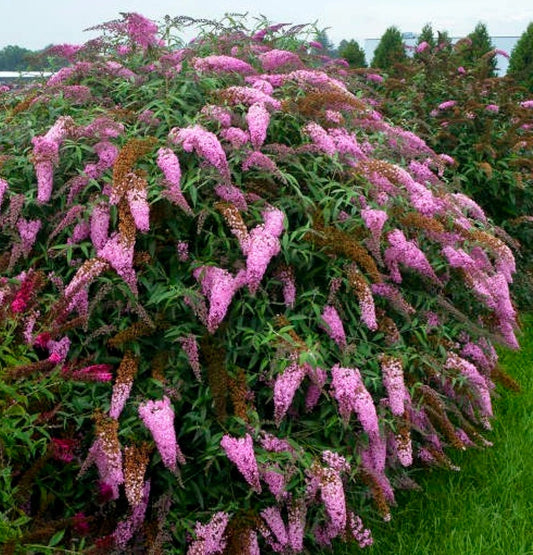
(262, 307)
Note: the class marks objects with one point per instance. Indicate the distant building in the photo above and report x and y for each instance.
(500, 43)
(8, 77)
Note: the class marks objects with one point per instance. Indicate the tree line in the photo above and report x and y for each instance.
(389, 54)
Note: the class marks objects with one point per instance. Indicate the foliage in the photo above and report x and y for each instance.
(390, 51)
(252, 305)
(352, 53)
(15, 58)
(322, 37)
(485, 508)
(427, 35)
(521, 61)
(474, 47)
(484, 124)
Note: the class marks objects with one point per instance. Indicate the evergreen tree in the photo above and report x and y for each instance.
(476, 45)
(323, 39)
(390, 51)
(352, 53)
(521, 62)
(14, 58)
(427, 35)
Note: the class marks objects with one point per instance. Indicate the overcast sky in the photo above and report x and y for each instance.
(36, 23)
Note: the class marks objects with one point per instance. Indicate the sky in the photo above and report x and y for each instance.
(34, 24)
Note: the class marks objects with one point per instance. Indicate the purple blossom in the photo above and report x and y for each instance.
(285, 387)
(3, 188)
(93, 373)
(236, 136)
(59, 349)
(108, 461)
(168, 162)
(494, 108)
(28, 230)
(249, 96)
(100, 225)
(261, 245)
(210, 537)
(474, 210)
(334, 327)
(119, 254)
(447, 104)
(232, 194)
(158, 417)
(240, 451)
(218, 286)
(335, 461)
(258, 119)
(477, 381)
(374, 77)
(261, 161)
(392, 369)
(141, 31)
(320, 138)
(421, 47)
(182, 248)
(404, 449)
(402, 251)
(527, 104)
(274, 444)
(272, 517)
(138, 204)
(219, 64)
(352, 396)
(273, 59)
(204, 143)
(286, 276)
(127, 528)
(84, 276)
(346, 143)
(296, 525)
(190, 346)
(81, 231)
(362, 535)
(217, 113)
(275, 480)
(332, 495)
(374, 220)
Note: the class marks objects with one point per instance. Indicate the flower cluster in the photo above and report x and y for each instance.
(240, 451)
(158, 417)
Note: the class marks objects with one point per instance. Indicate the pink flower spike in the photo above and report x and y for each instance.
(240, 451)
(393, 381)
(204, 143)
(218, 286)
(210, 537)
(158, 417)
(334, 327)
(285, 387)
(258, 119)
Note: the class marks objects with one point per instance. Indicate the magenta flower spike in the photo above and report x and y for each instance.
(158, 417)
(240, 451)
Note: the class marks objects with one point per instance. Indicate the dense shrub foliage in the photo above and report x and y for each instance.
(238, 305)
(485, 123)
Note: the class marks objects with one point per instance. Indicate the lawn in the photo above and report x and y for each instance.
(486, 508)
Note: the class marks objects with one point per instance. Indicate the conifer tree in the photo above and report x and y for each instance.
(390, 51)
(427, 35)
(521, 62)
(477, 44)
(352, 53)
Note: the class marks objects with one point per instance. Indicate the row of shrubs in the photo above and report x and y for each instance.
(239, 307)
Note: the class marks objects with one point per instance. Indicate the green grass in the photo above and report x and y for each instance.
(487, 507)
